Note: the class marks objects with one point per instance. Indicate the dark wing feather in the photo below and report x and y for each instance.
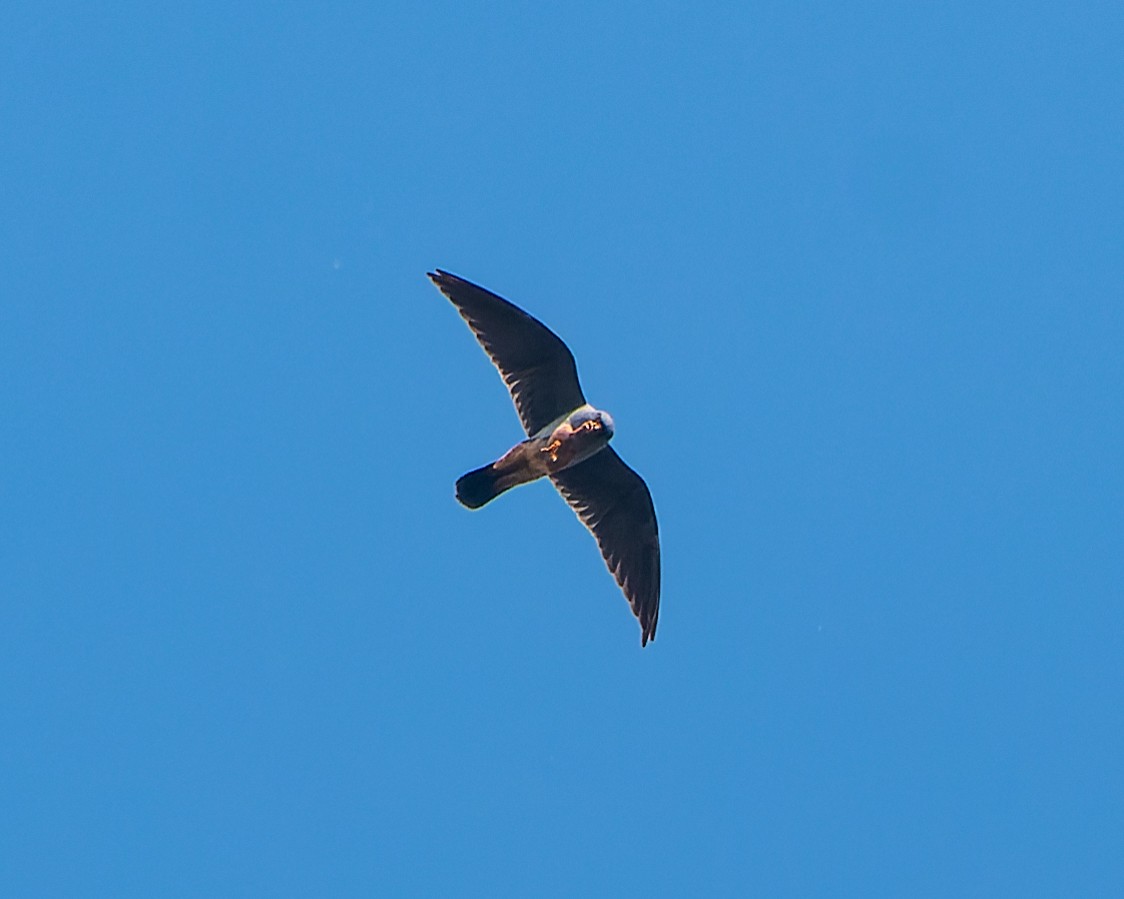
(613, 501)
(536, 365)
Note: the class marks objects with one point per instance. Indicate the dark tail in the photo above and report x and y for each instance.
(479, 487)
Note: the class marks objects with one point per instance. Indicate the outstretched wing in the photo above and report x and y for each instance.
(536, 365)
(613, 501)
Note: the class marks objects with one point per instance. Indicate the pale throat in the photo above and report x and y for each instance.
(571, 428)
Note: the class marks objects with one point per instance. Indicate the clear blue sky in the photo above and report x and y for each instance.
(849, 278)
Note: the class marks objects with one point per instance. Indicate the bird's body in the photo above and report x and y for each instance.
(563, 443)
(567, 441)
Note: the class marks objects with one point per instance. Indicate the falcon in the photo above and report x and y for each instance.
(567, 441)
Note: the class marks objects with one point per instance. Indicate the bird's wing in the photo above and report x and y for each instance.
(613, 501)
(536, 365)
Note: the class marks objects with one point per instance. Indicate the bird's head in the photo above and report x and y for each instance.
(593, 421)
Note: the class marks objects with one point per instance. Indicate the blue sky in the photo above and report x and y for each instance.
(849, 279)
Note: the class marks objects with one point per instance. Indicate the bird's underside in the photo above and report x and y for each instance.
(578, 436)
(567, 441)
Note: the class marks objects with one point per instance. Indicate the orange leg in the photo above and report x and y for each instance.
(552, 448)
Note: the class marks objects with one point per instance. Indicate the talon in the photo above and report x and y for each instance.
(552, 448)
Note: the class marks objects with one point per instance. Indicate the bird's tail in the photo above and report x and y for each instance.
(480, 486)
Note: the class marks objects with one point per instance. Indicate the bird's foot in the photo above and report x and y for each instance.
(552, 448)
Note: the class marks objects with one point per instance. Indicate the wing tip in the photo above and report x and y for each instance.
(648, 628)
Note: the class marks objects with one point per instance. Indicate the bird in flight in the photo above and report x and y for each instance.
(567, 441)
